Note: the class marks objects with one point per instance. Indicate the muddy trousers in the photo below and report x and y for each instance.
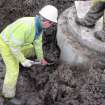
(95, 12)
(12, 68)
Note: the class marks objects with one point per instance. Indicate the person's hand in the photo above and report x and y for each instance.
(28, 63)
(43, 62)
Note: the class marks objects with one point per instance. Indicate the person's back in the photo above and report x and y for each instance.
(22, 27)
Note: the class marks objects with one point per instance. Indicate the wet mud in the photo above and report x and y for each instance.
(59, 84)
(11, 10)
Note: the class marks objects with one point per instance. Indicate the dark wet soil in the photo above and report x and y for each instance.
(59, 85)
(51, 85)
(10, 10)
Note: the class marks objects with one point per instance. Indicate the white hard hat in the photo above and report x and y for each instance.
(49, 12)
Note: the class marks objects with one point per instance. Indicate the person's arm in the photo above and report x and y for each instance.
(38, 48)
(17, 38)
(39, 51)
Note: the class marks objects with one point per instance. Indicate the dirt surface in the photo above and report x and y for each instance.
(51, 85)
(10, 10)
(59, 85)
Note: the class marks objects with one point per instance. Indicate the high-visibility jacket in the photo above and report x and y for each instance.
(22, 33)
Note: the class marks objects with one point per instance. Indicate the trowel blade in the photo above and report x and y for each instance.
(37, 63)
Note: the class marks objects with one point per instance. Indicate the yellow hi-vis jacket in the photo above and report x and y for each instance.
(21, 33)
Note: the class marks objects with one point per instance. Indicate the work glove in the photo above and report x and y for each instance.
(28, 63)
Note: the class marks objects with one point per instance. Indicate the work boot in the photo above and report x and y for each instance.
(100, 35)
(95, 12)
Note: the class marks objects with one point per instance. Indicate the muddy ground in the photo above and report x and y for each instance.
(10, 10)
(59, 84)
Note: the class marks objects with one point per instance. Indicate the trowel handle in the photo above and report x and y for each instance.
(36, 63)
